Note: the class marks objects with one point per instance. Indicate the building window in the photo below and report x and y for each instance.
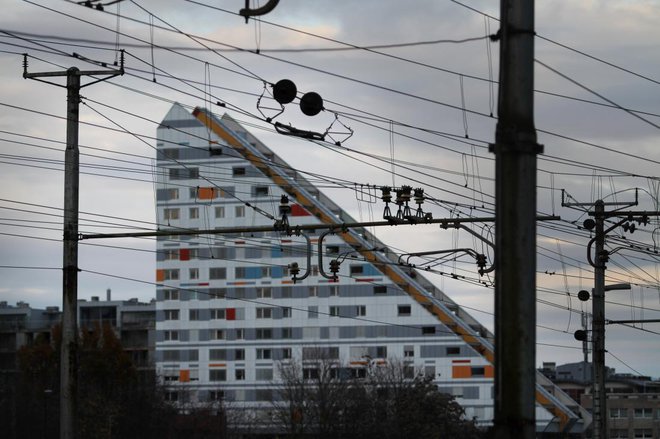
(217, 375)
(643, 433)
(171, 314)
(334, 311)
(264, 293)
(239, 211)
(356, 270)
(361, 310)
(171, 396)
(310, 373)
(171, 295)
(644, 413)
(193, 213)
(381, 351)
(264, 333)
(331, 249)
(312, 312)
(171, 254)
(217, 273)
(239, 374)
(286, 353)
(380, 289)
(240, 334)
(171, 335)
(218, 354)
(184, 173)
(238, 172)
(263, 374)
(478, 371)
(616, 413)
(217, 334)
(218, 314)
(261, 191)
(193, 273)
(216, 395)
(428, 330)
(618, 433)
(287, 333)
(264, 313)
(217, 293)
(453, 350)
(193, 314)
(220, 211)
(313, 291)
(409, 351)
(167, 194)
(171, 213)
(286, 312)
(239, 354)
(334, 291)
(403, 310)
(264, 354)
(171, 274)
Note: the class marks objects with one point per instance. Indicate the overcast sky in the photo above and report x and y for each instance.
(426, 106)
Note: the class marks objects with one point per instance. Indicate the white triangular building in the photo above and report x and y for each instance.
(228, 310)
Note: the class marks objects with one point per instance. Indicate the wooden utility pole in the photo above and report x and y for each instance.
(515, 151)
(69, 349)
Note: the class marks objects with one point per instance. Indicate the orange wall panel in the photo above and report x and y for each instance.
(206, 193)
(184, 375)
(160, 275)
(461, 372)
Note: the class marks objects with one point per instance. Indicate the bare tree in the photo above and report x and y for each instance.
(387, 400)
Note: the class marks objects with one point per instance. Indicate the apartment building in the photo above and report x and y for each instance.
(234, 306)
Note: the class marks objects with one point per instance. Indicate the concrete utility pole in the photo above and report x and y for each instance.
(69, 349)
(598, 261)
(599, 397)
(515, 151)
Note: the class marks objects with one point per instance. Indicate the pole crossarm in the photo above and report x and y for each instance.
(336, 227)
(623, 322)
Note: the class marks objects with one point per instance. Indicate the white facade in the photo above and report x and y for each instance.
(228, 311)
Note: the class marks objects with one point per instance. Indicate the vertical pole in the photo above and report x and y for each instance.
(585, 347)
(515, 151)
(599, 398)
(69, 351)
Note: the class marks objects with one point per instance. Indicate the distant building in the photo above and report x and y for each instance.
(231, 307)
(633, 402)
(133, 322)
(20, 325)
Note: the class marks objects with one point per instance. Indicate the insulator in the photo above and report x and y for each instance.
(399, 197)
(419, 195)
(334, 266)
(294, 269)
(387, 194)
(405, 193)
(285, 209)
